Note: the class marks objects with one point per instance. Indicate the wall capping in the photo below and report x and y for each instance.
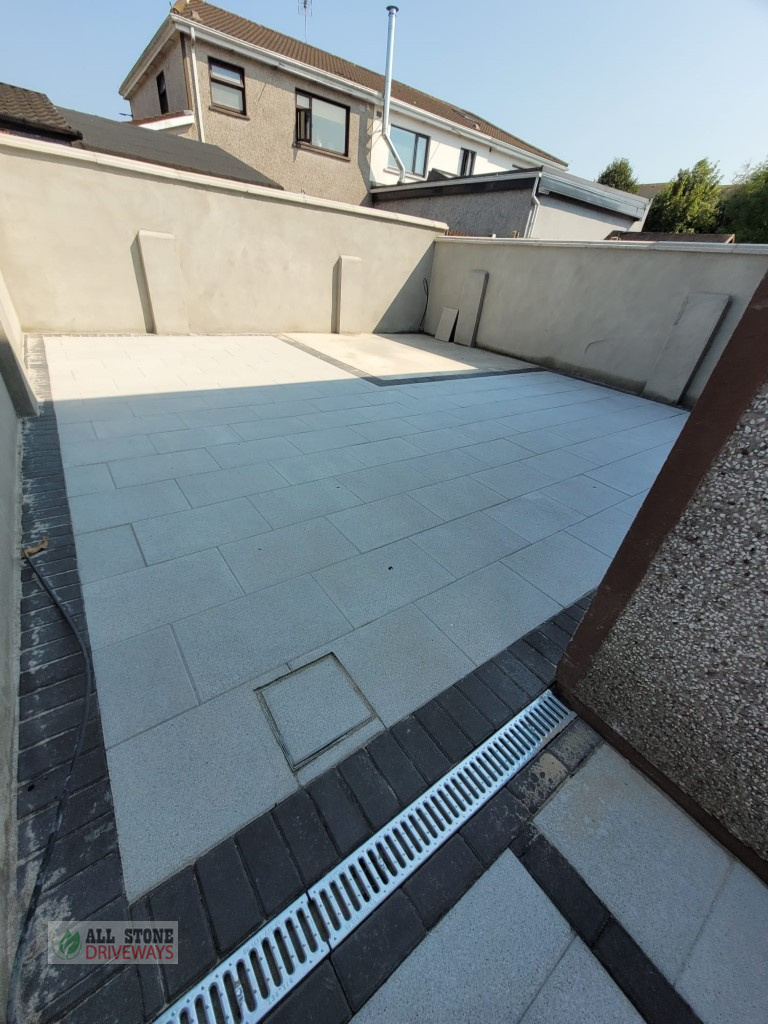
(735, 249)
(140, 168)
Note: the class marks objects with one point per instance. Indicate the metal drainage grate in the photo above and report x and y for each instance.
(245, 987)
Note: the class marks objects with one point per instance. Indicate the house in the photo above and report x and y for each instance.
(30, 113)
(307, 118)
(532, 203)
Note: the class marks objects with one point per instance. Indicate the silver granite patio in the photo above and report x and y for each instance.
(244, 508)
(506, 953)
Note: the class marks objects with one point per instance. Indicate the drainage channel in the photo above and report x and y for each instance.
(243, 988)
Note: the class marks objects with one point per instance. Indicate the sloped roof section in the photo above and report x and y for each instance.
(24, 109)
(102, 135)
(230, 24)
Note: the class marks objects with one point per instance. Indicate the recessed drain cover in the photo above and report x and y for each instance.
(313, 708)
(245, 987)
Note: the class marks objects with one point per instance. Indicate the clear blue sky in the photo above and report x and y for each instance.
(664, 82)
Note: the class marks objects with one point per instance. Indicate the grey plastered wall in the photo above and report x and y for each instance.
(252, 259)
(683, 673)
(9, 615)
(480, 213)
(602, 310)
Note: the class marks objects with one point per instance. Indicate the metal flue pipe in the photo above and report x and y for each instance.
(392, 15)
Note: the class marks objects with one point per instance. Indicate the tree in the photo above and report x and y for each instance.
(619, 174)
(690, 204)
(745, 208)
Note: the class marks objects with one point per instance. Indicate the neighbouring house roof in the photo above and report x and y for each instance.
(201, 13)
(651, 190)
(25, 112)
(667, 236)
(120, 139)
(33, 113)
(558, 183)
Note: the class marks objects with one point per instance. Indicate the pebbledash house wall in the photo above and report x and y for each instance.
(265, 136)
(683, 673)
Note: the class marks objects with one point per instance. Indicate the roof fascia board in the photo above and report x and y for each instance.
(306, 71)
(276, 60)
(151, 50)
(168, 122)
(593, 195)
(477, 182)
(150, 170)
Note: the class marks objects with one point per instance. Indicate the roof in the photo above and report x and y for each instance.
(201, 13)
(33, 112)
(667, 236)
(651, 190)
(560, 183)
(25, 112)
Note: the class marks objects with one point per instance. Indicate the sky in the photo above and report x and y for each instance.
(663, 83)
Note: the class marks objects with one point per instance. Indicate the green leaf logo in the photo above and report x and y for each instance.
(68, 946)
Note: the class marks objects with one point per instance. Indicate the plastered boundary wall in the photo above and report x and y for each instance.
(252, 259)
(602, 310)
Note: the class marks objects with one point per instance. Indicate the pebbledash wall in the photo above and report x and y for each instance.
(604, 310)
(251, 259)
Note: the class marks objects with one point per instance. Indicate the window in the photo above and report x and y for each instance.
(413, 149)
(321, 124)
(227, 86)
(162, 94)
(467, 163)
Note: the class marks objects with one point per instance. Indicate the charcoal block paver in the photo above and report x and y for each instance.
(306, 836)
(317, 1000)
(229, 897)
(442, 880)
(494, 826)
(421, 749)
(378, 946)
(444, 731)
(465, 715)
(341, 815)
(179, 899)
(370, 788)
(538, 780)
(269, 863)
(570, 893)
(401, 773)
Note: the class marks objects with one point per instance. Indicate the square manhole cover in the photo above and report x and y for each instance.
(313, 708)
